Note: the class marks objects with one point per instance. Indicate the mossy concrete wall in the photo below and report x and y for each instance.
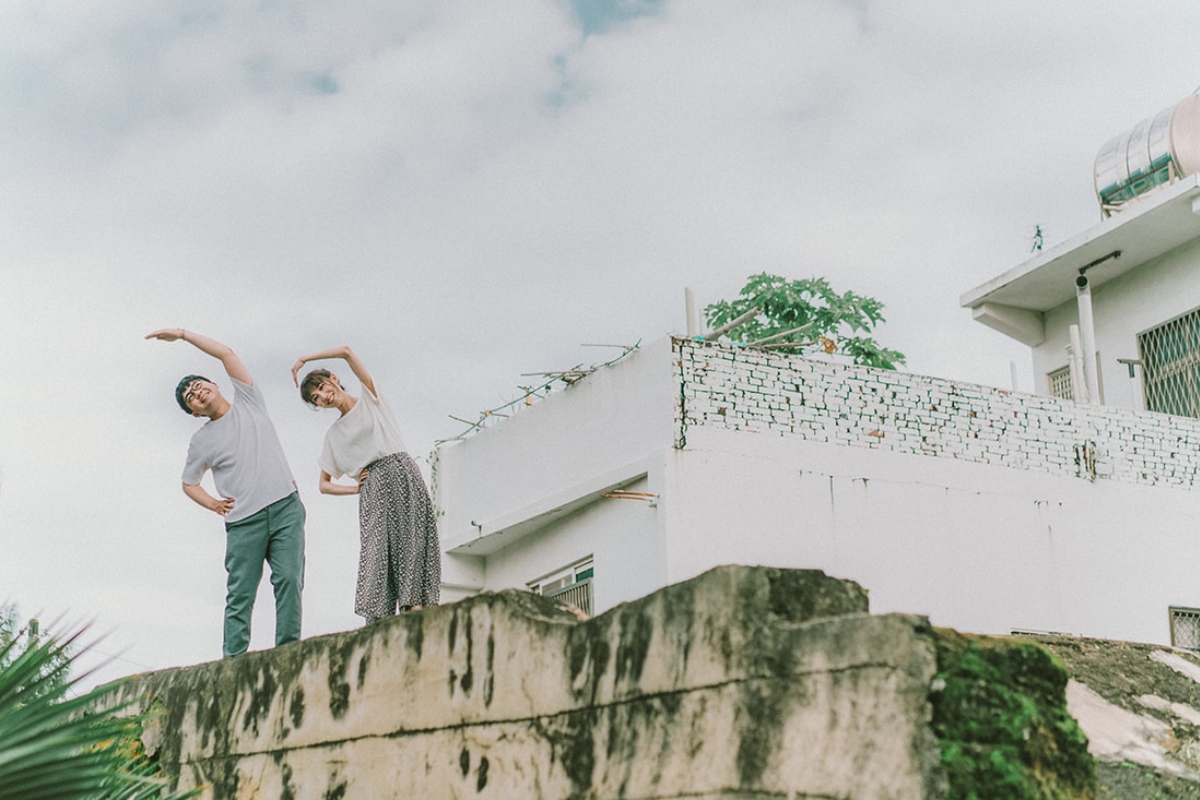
(744, 682)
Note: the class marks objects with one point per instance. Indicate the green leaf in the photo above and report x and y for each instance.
(812, 306)
(55, 747)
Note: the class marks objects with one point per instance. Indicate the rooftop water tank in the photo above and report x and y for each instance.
(1153, 153)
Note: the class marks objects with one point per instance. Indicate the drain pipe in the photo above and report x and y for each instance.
(1087, 334)
(1075, 366)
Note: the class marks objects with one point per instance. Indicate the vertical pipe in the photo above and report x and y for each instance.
(1087, 332)
(1078, 386)
(689, 302)
(1135, 389)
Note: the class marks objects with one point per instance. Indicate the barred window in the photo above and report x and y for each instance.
(1170, 356)
(1059, 382)
(1185, 627)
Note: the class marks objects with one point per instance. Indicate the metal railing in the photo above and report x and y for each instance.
(576, 595)
(1170, 356)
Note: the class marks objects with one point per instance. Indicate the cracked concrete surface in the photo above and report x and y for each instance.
(745, 682)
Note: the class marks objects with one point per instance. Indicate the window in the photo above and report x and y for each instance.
(1059, 382)
(1170, 356)
(1185, 627)
(571, 586)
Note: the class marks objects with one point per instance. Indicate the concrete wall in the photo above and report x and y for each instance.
(544, 472)
(607, 423)
(980, 548)
(622, 537)
(1130, 304)
(743, 683)
(962, 502)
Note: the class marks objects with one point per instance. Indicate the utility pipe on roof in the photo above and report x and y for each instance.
(689, 303)
(1087, 335)
(1075, 365)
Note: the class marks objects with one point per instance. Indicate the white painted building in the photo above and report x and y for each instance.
(989, 510)
(1149, 293)
(1142, 264)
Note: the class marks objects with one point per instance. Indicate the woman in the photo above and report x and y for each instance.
(399, 564)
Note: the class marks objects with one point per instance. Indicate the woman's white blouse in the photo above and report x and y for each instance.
(366, 433)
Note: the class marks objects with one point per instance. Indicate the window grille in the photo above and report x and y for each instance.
(1170, 356)
(1060, 384)
(1185, 628)
(570, 586)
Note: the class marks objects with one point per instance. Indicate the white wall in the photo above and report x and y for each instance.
(610, 419)
(616, 423)
(624, 538)
(976, 547)
(963, 502)
(1140, 299)
(959, 501)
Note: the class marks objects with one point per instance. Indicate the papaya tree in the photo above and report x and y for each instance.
(804, 316)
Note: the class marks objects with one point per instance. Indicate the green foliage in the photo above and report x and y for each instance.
(16, 638)
(1001, 720)
(57, 747)
(805, 315)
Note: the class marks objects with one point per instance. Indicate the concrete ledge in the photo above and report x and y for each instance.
(1027, 327)
(744, 682)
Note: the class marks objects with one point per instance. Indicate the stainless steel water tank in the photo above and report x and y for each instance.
(1153, 153)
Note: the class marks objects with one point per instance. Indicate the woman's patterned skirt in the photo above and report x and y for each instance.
(399, 562)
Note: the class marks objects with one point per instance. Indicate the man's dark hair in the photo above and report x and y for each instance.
(311, 383)
(181, 390)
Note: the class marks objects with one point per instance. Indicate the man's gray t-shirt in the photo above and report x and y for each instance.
(243, 452)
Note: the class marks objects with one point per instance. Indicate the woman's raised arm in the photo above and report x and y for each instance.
(346, 354)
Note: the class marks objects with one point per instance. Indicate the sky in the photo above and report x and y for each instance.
(465, 191)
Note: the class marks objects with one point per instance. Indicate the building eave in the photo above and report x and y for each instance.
(490, 536)
(1148, 228)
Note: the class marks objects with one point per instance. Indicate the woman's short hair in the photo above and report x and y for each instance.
(312, 382)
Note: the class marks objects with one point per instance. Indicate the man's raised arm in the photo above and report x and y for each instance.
(222, 352)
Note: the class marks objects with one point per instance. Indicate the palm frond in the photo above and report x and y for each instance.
(55, 747)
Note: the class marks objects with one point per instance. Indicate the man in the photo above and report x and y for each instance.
(264, 519)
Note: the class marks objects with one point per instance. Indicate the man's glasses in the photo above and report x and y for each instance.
(190, 394)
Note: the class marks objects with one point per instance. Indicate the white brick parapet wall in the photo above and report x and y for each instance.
(754, 390)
